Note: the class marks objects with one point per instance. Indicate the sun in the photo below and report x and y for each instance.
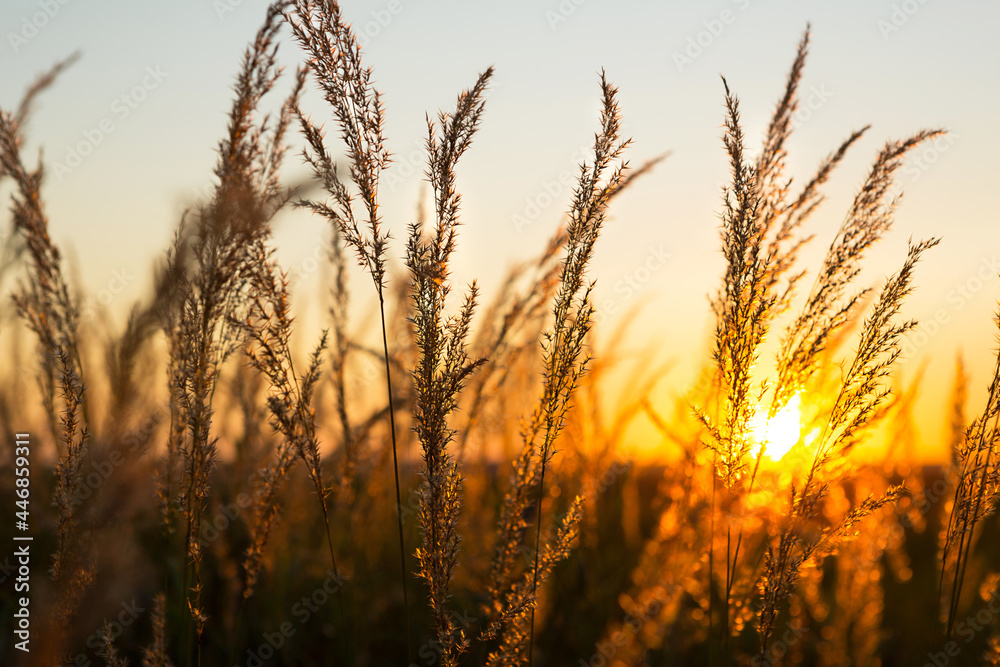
(781, 432)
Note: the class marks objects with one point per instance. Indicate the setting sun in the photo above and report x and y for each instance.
(781, 432)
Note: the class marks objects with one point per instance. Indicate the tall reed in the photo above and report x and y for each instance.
(208, 268)
(46, 303)
(444, 364)
(513, 601)
(760, 224)
(335, 61)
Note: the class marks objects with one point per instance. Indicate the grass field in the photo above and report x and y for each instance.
(211, 485)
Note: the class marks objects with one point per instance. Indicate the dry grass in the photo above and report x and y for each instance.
(251, 488)
(44, 301)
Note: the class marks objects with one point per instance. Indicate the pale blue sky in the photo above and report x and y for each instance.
(900, 66)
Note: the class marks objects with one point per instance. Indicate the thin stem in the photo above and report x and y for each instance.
(730, 578)
(952, 519)
(970, 519)
(956, 588)
(711, 566)
(395, 467)
(340, 589)
(185, 546)
(729, 585)
(534, 575)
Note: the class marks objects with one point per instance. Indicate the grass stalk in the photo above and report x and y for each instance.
(336, 62)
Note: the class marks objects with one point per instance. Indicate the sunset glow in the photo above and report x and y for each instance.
(531, 334)
(780, 433)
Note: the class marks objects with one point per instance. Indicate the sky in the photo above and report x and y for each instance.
(129, 135)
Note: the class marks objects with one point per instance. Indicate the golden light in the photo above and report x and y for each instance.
(781, 432)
